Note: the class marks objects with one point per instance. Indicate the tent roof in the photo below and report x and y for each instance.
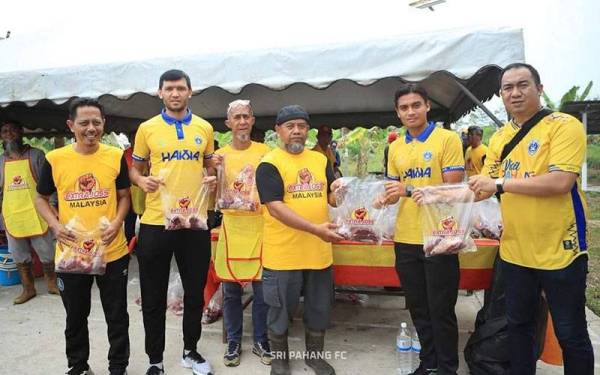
(591, 107)
(343, 85)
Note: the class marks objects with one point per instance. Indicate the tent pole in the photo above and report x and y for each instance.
(479, 104)
(584, 169)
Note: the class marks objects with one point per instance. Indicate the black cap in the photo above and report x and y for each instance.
(291, 112)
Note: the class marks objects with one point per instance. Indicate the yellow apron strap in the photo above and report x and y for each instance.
(229, 259)
(238, 254)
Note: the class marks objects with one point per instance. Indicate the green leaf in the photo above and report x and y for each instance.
(586, 91)
(569, 96)
(549, 103)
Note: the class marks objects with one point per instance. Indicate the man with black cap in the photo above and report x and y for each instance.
(295, 185)
(475, 154)
(21, 167)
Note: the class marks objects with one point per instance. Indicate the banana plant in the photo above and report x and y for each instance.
(570, 96)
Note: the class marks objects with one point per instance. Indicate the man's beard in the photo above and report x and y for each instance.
(294, 148)
(13, 147)
(181, 108)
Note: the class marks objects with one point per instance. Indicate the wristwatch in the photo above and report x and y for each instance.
(500, 185)
(409, 190)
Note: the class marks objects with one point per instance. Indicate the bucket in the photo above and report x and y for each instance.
(8, 269)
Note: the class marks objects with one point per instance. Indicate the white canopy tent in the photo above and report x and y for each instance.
(341, 85)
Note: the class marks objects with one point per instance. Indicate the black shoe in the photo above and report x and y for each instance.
(155, 370)
(421, 370)
(118, 372)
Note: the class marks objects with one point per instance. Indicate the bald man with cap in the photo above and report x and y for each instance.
(295, 186)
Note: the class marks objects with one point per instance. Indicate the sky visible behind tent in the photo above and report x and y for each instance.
(561, 37)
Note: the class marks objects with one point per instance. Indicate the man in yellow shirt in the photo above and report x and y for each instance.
(475, 155)
(543, 245)
(92, 184)
(295, 186)
(238, 256)
(426, 155)
(174, 146)
(25, 229)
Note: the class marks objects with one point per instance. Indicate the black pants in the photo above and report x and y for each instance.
(75, 291)
(431, 287)
(155, 249)
(565, 293)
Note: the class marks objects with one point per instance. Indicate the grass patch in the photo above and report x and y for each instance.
(593, 176)
(593, 156)
(593, 287)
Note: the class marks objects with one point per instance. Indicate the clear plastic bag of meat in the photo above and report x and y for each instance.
(487, 219)
(85, 255)
(388, 218)
(185, 203)
(357, 219)
(214, 309)
(236, 186)
(175, 294)
(446, 219)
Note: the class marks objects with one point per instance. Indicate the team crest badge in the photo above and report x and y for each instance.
(534, 145)
(427, 155)
(198, 140)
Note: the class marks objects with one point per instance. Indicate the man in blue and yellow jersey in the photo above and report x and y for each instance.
(92, 185)
(181, 144)
(25, 229)
(426, 155)
(543, 246)
(475, 154)
(238, 257)
(295, 185)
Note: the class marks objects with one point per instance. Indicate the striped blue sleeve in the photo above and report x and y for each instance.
(453, 168)
(138, 158)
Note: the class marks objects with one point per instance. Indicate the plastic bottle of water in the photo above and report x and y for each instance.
(416, 350)
(403, 350)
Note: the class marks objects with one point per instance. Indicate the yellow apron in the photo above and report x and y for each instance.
(20, 217)
(239, 250)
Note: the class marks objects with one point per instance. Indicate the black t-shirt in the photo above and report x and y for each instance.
(46, 186)
(270, 184)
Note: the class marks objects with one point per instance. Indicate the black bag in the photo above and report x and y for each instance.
(486, 352)
(525, 128)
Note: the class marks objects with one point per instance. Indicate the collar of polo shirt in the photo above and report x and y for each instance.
(173, 121)
(421, 137)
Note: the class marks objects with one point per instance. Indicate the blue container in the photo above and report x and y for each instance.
(8, 269)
